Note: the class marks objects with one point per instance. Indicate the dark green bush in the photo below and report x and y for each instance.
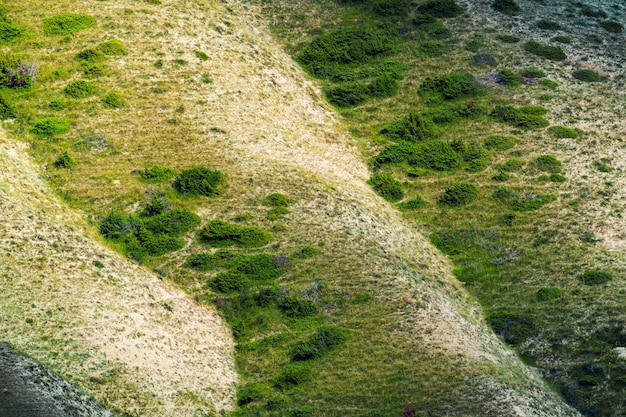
(508, 38)
(499, 142)
(80, 89)
(390, 7)
(435, 30)
(525, 117)
(261, 267)
(94, 70)
(6, 109)
(561, 132)
(276, 213)
(347, 96)
(173, 222)
(325, 339)
(532, 73)
(611, 26)
(562, 39)
(228, 282)
(509, 78)
(293, 306)
(383, 86)
(50, 126)
(501, 176)
(513, 328)
(67, 24)
(415, 203)
(553, 53)
(386, 186)
(595, 277)
(587, 75)
(434, 155)
(277, 200)
(452, 86)
(115, 225)
(201, 261)
(549, 293)
(114, 100)
(549, 84)
(219, 233)
(547, 163)
(156, 174)
(200, 181)
(291, 375)
(157, 245)
(511, 165)
(474, 45)
(90, 55)
(603, 165)
(249, 393)
(412, 128)
(548, 24)
(114, 47)
(64, 161)
(508, 7)
(10, 31)
(431, 49)
(459, 194)
(440, 8)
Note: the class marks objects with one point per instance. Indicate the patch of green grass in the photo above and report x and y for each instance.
(412, 128)
(202, 261)
(508, 7)
(553, 53)
(549, 293)
(113, 47)
(415, 203)
(80, 89)
(595, 277)
(90, 55)
(50, 126)
(387, 186)
(522, 201)
(512, 327)
(63, 161)
(6, 109)
(525, 117)
(611, 26)
(452, 86)
(547, 163)
(561, 132)
(499, 142)
(277, 200)
(508, 38)
(10, 31)
(433, 155)
(114, 100)
(587, 75)
(202, 56)
(156, 174)
(67, 24)
(200, 181)
(318, 344)
(218, 233)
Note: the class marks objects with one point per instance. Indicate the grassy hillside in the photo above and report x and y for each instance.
(338, 303)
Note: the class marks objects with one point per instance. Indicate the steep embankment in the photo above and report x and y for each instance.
(245, 108)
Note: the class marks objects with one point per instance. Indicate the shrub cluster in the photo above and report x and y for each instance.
(218, 233)
(386, 186)
(243, 271)
(452, 86)
(547, 163)
(595, 277)
(508, 38)
(611, 26)
(50, 126)
(324, 340)
(508, 7)
(459, 194)
(114, 100)
(553, 53)
(434, 155)
(524, 201)
(80, 89)
(513, 328)
(525, 117)
(90, 55)
(476, 158)
(156, 174)
(440, 8)
(549, 293)
(353, 94)
(509, 78)
(587, 75)
(200, 181)
(10, 31)
(6, 110)
(548, 24)
(67, 24)
(499, 142)
(293, 306)
(561, 132)
(63, 161)
(412, 128)
(415, 203)
(114, 47)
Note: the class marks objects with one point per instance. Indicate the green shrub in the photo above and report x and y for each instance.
(156, 174)
(63, 161)
(228, 282)
(603, 165)
(459, 194)
(386, 186)
(561, 132)
(547, 163)
(587, 75)
(277, 213)
(562, 39)
(10, 32)
(80, 89)
(219, 233)
(201, 261)
(325, 339)
(276, 403)
(115, 225)
(93, 70)
(201, 55)
(434, 155)
(595, 277)
(306, 253)
(6, 109)
(611, 26)
(508, 38)
(157, 245)
(57, 104)
(533, 73)
(549, 293)
(249, 393)
(50, 126)
(525, 201)
(511, 165)
(277, 200)
(436, 30)
(431, 49)
(173, 222)
(67, 24)
(553, 53)
(415, 203)
(261, 267)
(347, 96)
(513, 328)
(114, 100)
(499, 142)
(508, 7)
(474, 45)
(200, 181)
(440, 8)
(453, 86)
(509, 78)
(292, 375)
(90, 55)
(552, 85)
(293, 306)
(548, 24)
(525, 117)
(383, 86)
(114, 47)
(412, 128)
(501, 176)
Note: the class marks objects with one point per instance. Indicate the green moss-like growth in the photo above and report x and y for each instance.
(64, 161)
(513, 328)
(316, 346)
(547, 163)
(200, 181)
(549, 293)
(561, 132)
(546, 24)
(6, 109)
(80, 89)
(387, 186)
(434, 155)
(553, 53)
(508, 38)
(67, 24)
(277, 200)
(525, 117)
(50, 126)
(595, 277)
(611, 26)
(156, 174)
(499, 142)
(114, 47)
(412, 128)
(10, 32)
(508, 7)
(415, 203)
(452, 86)
(114, 100)
(440, 8)
(459, 194)
(90, 55)
(219, 233)
(587, 75)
